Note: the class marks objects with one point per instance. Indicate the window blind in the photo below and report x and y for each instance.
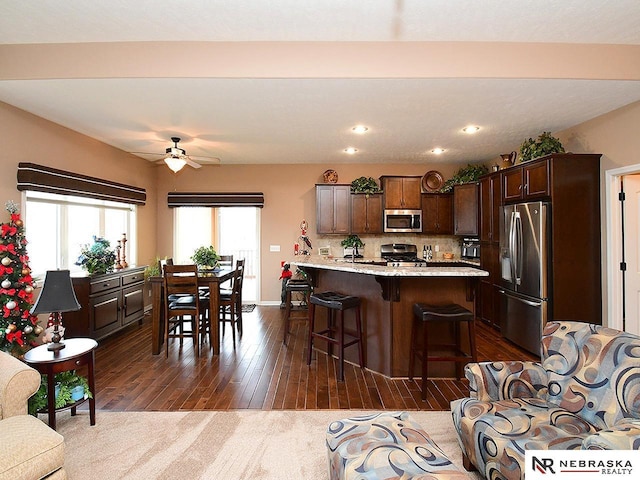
(226, 199)
(51, 180)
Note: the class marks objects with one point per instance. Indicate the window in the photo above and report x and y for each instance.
(192, 230)
(57, 226)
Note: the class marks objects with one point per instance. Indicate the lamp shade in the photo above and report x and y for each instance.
(57, 294)
(175, 163)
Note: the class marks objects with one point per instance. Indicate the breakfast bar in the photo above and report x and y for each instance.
(388, 294)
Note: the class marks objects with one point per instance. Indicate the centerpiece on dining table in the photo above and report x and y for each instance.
(205, 258)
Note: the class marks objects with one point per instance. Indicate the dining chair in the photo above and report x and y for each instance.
(226, 262)
(240, 265)
(182, 305)
(231, 302)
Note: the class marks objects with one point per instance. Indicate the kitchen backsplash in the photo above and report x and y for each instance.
(372, 244)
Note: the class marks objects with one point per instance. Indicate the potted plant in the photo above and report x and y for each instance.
(153, 269)
(97, 258)
(206, 257)
(366, 185)
(467, 174)
(351, 245)
(545, 144)
(70, 388)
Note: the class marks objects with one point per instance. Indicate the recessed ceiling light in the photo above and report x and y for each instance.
(437, 151)
(359, 129)
(350, 150)
(471, 129)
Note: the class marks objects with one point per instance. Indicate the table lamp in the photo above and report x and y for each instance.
(57, 296)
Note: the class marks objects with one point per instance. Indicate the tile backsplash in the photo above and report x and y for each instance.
(372, 243)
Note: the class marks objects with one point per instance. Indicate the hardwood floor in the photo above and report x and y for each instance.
(261, 373)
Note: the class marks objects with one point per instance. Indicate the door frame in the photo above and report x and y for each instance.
(614, 244)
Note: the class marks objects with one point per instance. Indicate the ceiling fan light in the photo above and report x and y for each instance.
(175, 163)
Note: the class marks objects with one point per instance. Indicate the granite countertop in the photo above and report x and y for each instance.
(367, 266)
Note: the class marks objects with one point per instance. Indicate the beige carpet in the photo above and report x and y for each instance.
(243, 444)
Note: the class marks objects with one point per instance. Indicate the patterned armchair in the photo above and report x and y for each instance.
(585, 394)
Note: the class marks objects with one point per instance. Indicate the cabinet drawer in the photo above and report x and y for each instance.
(133, 277)
(104, 284)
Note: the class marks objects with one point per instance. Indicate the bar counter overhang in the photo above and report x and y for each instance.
(388, 295)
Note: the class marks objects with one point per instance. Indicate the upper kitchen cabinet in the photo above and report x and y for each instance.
(333, 204)
(401, 193)
(366, 213)
(529, 181)
(490, 201)
(465, 209)
(437, 213)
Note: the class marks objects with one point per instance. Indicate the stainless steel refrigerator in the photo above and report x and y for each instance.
(524, 266)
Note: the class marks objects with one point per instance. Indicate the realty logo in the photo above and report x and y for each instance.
(543, 465)
(581, 464)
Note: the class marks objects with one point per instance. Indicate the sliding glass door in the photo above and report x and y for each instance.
(239, 235)
(231, 230)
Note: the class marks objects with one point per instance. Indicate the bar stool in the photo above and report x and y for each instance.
(293, 285)
(452, 314)
(335, 332)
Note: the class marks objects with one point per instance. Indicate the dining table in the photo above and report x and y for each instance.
(210, 279)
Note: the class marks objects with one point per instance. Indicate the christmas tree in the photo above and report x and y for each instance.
(18, 327)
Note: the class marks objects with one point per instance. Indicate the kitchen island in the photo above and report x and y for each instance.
(388, 294)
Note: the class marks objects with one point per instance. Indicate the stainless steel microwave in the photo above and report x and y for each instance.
(403, 220)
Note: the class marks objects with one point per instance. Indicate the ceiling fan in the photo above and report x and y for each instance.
(176, 157)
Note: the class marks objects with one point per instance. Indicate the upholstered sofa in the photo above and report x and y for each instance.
(386, 445)
(585, 394)
(30, 449)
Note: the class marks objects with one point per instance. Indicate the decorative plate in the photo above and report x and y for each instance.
(330, 176)
(432, 181)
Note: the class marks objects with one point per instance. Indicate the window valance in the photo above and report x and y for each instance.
(51, 180)
(192, 199)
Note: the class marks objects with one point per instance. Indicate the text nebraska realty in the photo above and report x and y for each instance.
(608, 467)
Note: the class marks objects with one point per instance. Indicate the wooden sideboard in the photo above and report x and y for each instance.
(109, 303)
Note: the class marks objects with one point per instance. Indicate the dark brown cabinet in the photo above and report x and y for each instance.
(401, 193)
(366, 213)
(490, 201)
(570, 184)
(529, 181)
(109, 303)
(437, 213)
(465, 209)
(333, 207)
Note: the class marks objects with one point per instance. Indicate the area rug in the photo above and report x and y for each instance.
(241, 444)
(248, 308)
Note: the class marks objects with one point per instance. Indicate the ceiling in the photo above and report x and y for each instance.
(300, 111)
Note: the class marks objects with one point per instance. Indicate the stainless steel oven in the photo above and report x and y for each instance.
(403, 220)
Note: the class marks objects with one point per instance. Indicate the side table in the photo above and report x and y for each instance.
(77, 352)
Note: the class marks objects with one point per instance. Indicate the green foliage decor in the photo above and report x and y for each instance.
(205, 257)
(153, 269)
(97, 259)
(352, 241)
(364, 185)
(67, 381)
(545, 144)
(467, 174)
